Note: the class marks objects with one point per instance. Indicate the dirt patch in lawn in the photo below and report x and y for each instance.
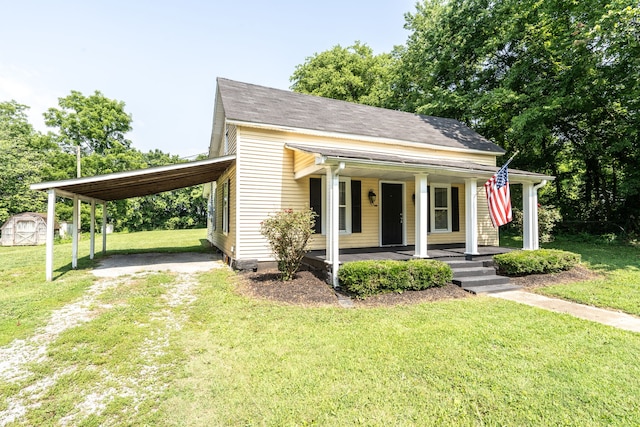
(309, 290)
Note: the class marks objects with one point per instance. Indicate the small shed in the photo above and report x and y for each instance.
(27, 228)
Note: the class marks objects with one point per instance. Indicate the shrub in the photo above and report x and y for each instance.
(548, 218)
(288, 233)
(540, 261)
(366, 278)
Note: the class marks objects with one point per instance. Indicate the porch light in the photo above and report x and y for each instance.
(372, 197)
(413, 197)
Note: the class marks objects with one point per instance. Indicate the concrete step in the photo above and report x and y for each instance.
(491, 289)
(460, 273)
(460, 263)
(481, 281)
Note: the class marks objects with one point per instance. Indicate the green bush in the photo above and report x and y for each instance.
(548, 218)
(366, 278)
(540, 261)
(288, 233)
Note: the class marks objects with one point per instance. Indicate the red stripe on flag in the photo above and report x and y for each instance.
(499, 197)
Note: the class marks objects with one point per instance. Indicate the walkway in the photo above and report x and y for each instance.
(606, 317)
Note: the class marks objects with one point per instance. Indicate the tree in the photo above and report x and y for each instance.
(351, 74)
(89, 124)
(556, 80)
(22, 163)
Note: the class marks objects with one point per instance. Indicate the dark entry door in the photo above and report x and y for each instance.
(391, 201)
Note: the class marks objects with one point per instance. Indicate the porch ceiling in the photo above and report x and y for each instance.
(141, 182)
(390, 166)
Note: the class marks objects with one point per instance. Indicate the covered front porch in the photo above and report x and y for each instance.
(416, 196)
(318, 258)
(475, 274)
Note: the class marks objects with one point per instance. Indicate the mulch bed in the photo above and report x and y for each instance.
(308, 290)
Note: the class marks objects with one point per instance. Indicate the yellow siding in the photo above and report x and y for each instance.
(370, 220)
(226, 242)
(302, 160)
(265, 185)
(233, 139)
(487, 235)
(376, 147)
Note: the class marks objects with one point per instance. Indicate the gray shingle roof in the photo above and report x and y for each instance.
(263, 105)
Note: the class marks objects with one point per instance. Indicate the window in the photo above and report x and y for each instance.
(441, 208)
(213, 206)
(343, 199)
(225, 206)
(349, 204)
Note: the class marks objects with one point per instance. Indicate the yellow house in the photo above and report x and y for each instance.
(375, 177)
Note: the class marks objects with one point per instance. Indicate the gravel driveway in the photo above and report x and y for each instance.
(16, 358)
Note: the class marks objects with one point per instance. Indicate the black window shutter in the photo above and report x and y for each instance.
(455, 210)
(315, 201)
(229, 206)
(428, 211)
(356, 206)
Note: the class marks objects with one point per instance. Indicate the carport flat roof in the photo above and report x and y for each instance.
(141, 182)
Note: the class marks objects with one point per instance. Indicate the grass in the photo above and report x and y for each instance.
(618, 263)
(472, 362)
(229, 360)
(27, 299)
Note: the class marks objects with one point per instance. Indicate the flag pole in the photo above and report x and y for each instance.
(509, 161)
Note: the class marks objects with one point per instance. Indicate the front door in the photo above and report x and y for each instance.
(391, 202)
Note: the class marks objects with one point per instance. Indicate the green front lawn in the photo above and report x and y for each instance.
(478, 361)
(619, 264)
(229, 360)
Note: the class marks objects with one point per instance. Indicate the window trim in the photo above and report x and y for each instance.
(347, 206)
(226, 210)
(432, 208)
(213, 206)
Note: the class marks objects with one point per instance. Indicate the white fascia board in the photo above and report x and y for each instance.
(431, 169)
(127, 174)
(356, 137)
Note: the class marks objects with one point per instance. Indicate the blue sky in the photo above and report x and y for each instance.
(161, 58)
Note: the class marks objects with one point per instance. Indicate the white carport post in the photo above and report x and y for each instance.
(74, 244)
(104, 228)
(471, 217)
(92, 241)
(530, 236)
(333, 220)
(51, 219)
(421, 216)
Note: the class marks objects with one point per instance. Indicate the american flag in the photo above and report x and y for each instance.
(498, 197)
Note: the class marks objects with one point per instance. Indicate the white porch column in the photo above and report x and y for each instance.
(471, 216)
(529, 205)
(333, 221)
(530, 233)
(74, 245)
(92, 242)
(421, 216)
(104, 228)
(51, 219)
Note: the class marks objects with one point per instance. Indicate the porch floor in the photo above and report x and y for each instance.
(402, 253)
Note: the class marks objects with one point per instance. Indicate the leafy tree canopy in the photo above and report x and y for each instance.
(95, 123)
(351, 74)
(22, 163)
(555, 79)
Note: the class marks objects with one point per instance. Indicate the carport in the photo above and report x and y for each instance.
(102, 189)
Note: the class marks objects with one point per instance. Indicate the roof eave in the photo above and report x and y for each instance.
(381, 140)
